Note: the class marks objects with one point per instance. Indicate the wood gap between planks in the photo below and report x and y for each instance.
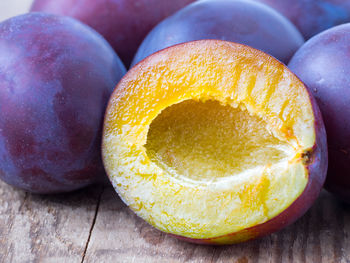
(93, 224)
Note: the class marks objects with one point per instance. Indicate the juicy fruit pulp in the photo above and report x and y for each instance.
(208, 139)
(205, 141)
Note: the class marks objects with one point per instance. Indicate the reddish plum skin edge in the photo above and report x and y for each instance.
(56, 76)
(244, 22)
(323, 64)
(124, 23)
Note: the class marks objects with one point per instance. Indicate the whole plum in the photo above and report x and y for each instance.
(240, 21)
(313, 16)
(56, 76)
(323, 64)
(124, 23)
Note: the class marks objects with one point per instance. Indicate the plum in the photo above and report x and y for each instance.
(323, 64)
(56, 75)
(124, 23)
(214, 142)
(248, 23)
(312, 17)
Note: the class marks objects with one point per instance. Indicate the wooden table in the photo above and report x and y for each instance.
(93, 225)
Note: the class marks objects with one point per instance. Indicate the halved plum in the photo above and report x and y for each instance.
(214, 142)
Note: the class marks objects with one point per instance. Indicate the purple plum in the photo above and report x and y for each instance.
(56, 75)
(240, 21)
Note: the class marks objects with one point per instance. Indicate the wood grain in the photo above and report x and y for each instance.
(93, 225)
(52, 228)
(322, 235)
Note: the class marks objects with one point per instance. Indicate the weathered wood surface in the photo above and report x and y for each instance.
(93, 225)
(322, 235)
(53, 228)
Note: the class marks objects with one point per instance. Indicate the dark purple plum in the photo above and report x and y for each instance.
(323, 64)
(240, 21)
(312, 16)
(124, 23)
(56, 75)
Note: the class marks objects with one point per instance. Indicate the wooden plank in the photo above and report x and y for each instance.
(11, 203)
(322, 235)
(38, 228)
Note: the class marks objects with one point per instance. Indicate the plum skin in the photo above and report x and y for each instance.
(124, 23)
(322, 63)
(56, 75)
(240, 21)
(312, 17)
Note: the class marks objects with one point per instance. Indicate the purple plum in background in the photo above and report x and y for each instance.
(323, 63)
(312, 16)
(248, 23)
(56, 75)
(124, 23)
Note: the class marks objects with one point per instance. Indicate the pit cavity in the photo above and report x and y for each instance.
(206, 141)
